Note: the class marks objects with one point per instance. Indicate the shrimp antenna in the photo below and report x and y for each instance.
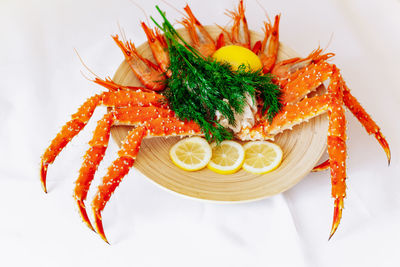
(143, 11)
(85, 76)
(171, 6)
(122, 31)
(329, 42)
(265, 11)
(86, 67)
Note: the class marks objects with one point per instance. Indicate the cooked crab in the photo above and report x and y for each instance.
(148, 111)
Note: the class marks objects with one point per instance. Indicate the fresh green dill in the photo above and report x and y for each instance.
(198, 87)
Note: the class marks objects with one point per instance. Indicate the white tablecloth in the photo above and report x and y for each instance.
(41, 85)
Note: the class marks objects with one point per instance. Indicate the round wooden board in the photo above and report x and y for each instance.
(302, 148)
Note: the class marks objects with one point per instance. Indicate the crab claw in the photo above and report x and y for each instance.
(99, 225)
(382, 141)
(116, 172)
(43, 174)
(337, 215)
(321, 167)
(82, 211)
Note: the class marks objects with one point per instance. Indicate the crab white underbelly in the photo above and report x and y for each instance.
(243, 120)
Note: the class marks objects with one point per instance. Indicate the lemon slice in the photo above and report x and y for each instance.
(191, 154)
(261, 157)
(227, 157)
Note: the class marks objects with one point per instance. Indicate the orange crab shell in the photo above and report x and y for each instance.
(150, 115)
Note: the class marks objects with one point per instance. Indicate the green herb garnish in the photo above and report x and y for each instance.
(199, 86)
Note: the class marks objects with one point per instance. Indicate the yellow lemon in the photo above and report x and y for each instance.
(261, 157)
(191, 154)
(227, 157)
(237, 55)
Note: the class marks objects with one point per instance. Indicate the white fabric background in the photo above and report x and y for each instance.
(41, 85)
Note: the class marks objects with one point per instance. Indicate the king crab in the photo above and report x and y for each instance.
(148, 111)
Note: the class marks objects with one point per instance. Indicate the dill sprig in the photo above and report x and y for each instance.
(198, 87)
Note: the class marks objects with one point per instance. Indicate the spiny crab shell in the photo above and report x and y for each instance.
(147, 111)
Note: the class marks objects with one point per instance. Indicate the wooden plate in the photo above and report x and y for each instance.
(302, 148)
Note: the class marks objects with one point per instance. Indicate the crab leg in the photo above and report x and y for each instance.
(69, 130)
(92, 159)
(127, 155)
(294, 77)
(240, 34)
(138, 115)
(365, 119)
(309, 79)
(337, 146)
(201, 39)
(148, 73)
(118, 169)
(293, 114)
(125, 115)
(121, 98)
(289, 116)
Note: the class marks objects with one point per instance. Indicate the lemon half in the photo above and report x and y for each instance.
(191, 154)
(227, 157)
(237, 55)
(261, 157)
